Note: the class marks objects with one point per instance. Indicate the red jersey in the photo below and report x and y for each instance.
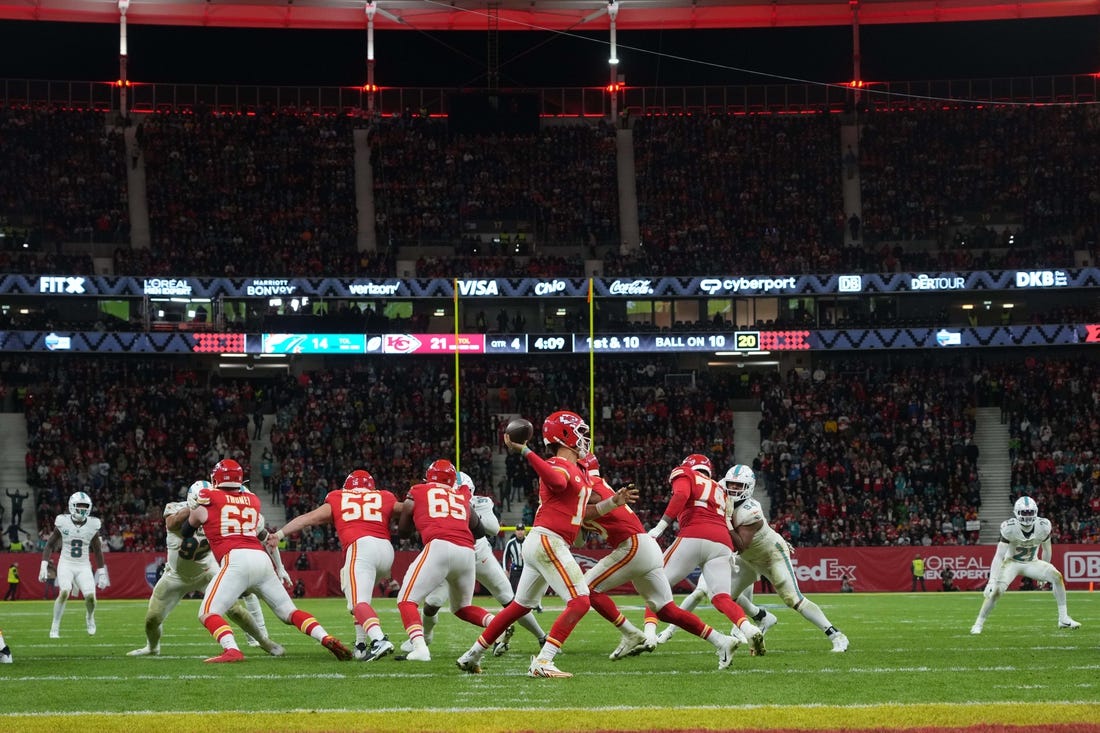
(699, 504)
(440, 513)
(618, 525)
(361, 513)
(232, 520)
(563, 495)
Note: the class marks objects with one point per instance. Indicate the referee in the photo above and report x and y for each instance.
(512, 559)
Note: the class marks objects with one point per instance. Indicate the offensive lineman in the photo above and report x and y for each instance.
(75, 534)
(762, 551)
(229, 516)
(191, 567)
(1022, 537)
(487, 571)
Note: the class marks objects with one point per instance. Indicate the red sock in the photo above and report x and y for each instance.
(606, 607)
(686, 620)
(567, 621)
(410, 617)
(508, 616)
(729, 608)
(474, 615)
(650, 617)
(365, 616)
(217, 626)
(303, 621)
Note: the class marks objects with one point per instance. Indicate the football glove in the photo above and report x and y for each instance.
(734, 565)
(285, 579)
(43, 572)
(658, 529)
(101, 579)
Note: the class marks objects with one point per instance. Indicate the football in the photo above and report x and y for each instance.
(520, 430)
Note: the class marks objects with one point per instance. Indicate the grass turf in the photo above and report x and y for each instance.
(912, 663)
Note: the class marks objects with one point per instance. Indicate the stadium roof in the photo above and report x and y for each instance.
(472, 15)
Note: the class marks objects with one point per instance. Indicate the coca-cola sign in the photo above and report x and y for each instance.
(631, 287)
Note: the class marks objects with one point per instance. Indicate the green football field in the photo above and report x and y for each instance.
(912, 662)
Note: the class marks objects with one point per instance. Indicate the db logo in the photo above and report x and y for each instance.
(400, 343)
(1081, 566)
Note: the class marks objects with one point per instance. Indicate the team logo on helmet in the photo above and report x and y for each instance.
(80, 506)
(1026, 511)
(698, 462)
(739, 482)
(359, 479)
(442, 472)
(227, 474)
(568, 429)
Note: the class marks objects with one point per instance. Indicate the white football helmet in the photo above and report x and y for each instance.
(80, 506)
(1026, 511)
(193, 492)
(739, 482)
(465, 480)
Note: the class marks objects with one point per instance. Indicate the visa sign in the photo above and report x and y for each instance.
(478, 287)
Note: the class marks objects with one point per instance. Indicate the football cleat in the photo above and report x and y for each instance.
(757, 641)
(5, 655)
(407, 646)
(359, 653)
(338, 650)
(543, 668)
(840, 642)
(631, 644)
(423, 654)
(55, 633)
(470, 662)
(251, 641)
(90, 624)
(378, 649)
(145, 651)
(664, 636)
(273, 648)
(228, 656)
(501, 644)
(725, 651)
(1068, 623)
(770, 620)
(976, 628)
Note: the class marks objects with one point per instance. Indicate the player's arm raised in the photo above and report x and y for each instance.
(320, 515)
(553, 477)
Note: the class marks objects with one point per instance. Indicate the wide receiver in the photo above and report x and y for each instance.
(75, 534)
(1022, 537)
(230, 516)
(191, 567)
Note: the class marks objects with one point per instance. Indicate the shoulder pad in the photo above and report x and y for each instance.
(204, 497)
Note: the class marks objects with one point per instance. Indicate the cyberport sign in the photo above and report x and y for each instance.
(1081, 567)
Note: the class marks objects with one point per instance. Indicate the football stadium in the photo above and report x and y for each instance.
(397, 365)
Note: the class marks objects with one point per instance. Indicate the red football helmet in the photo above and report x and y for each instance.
(590, 464)
(359, 479)
(442, 472)
(568, 429)
(227, 474)
(699, 462)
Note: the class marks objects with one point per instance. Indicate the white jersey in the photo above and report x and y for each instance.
(190, 557)
(483, 507)
(764, 541)
(1024, 547)
(76, 539)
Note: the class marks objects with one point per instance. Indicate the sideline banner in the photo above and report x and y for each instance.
(819, 569)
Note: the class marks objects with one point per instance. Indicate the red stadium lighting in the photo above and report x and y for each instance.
(615, 88)
(371, 87)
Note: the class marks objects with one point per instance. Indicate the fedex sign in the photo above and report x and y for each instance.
(827, 568)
